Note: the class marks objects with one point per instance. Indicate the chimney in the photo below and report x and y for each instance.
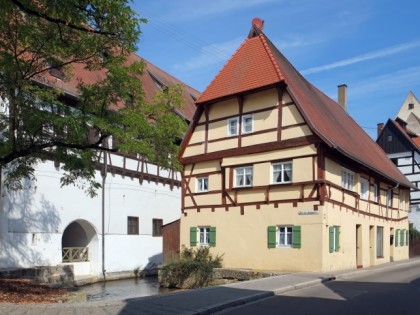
(342, 96)
(380, 128)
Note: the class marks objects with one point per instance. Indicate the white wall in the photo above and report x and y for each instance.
(32, 221)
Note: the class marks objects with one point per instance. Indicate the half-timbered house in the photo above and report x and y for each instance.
(278, 176)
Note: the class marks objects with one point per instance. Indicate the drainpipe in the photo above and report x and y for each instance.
(103, 211)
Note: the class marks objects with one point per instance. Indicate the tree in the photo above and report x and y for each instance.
(43, 42)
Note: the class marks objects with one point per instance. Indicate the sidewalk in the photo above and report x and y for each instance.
(201, 301)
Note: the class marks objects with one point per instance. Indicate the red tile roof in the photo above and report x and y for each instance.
(149, 77)
(258, 63)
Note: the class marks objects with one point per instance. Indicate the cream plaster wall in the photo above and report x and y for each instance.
(259, 138)
(224, 109)
(198, 134)
(295, 132)
(222, 145)
(291, 116)
(260, 100)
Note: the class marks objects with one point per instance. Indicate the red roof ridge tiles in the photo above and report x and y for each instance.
(270, 54)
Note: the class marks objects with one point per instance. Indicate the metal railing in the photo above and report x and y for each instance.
(75, 254)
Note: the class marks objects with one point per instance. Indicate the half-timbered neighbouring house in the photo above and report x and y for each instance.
(400, 139)
(120, 230)
(278, 176)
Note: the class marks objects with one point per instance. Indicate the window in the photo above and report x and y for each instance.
(389, 198)
(233, 124)
(243, 176)
(282, 172)
(379, 242)
(157, 227)
(364, 188)
(202, 184)
(401, 237)
(284, 236)
(203, 236)
(410, 105)
(347, 179)
(247, 124)
(375, 192)
(132, 225)
(334, 235)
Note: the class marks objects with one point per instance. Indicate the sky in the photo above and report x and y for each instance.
(372, 46)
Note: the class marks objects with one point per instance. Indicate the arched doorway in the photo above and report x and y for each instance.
(79, 243)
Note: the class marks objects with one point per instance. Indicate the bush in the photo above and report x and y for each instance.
(193, 269)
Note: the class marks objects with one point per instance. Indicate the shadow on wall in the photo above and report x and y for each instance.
(27, 225)
(152, 266)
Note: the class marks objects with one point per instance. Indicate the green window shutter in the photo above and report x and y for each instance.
(296, 237)
(397, 235)
(212, 236)
(337, 238)
(193, 236)
(401, 237)
(331, 233)
(271, 236)
(406, 237)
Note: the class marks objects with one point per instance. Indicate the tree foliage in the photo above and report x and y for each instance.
(39, 121)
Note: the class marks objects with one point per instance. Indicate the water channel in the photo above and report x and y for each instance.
(123, 289)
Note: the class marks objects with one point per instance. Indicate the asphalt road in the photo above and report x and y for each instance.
(389, 292)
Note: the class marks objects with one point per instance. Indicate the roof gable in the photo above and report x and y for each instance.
(258, 63)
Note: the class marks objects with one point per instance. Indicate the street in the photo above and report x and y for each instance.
(387, 292)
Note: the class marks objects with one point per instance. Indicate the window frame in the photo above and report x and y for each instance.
(346, 175)
(334, 240)
(282, 172)
(229, 133)
(243, 125)
(133, 229)
(244, 168)
(379, 242)
(288, 231)
(200, 181)
(205, 232)
(364, 194)
(376, 192)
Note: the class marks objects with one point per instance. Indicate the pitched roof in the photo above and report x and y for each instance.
(258, 63)
(152, 79)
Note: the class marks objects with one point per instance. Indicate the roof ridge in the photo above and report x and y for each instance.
(271, 56)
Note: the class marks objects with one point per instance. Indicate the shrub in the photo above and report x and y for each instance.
(193, 269)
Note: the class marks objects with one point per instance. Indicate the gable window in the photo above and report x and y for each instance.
(233, 126)
(132, 225)
(334, 234)
(282, 172)
(243, 176)
(410, 105)
(247, 124)
(202, 184)
(347, 179)
(157, 227)
(364, 188)
(284, 236)
(203, 236)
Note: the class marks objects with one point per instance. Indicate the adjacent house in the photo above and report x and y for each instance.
(278, 176)
(120, 229)
(400, 139)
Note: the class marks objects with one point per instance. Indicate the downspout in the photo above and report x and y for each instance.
(103, 212)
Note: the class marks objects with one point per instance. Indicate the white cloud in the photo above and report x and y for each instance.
(368, 56)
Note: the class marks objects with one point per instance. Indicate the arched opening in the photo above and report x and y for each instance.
(79, 242)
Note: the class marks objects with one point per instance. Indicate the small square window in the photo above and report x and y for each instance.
(284, 236)
(410, 105)
(157, 227)
(232, 126)
(132, 225)
(282, 172)
(202, 184)
(204, 235)
(243, 176)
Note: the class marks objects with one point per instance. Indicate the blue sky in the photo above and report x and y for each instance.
(373, 46)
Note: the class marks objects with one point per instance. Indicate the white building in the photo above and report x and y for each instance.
(117, 231)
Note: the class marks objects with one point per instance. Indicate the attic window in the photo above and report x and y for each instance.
(411, 106)
(54, 69)
(159, 84)
(389, 138)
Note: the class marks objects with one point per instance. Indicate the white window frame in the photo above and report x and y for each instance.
(287, 232)
(389, 196)
(229, 130)
(376, 192)
(203, 235)
(202, 184)
(380, 241)
(243, 172)
(364, 188)
(251, 125)
(282, 171)
(347, 179)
